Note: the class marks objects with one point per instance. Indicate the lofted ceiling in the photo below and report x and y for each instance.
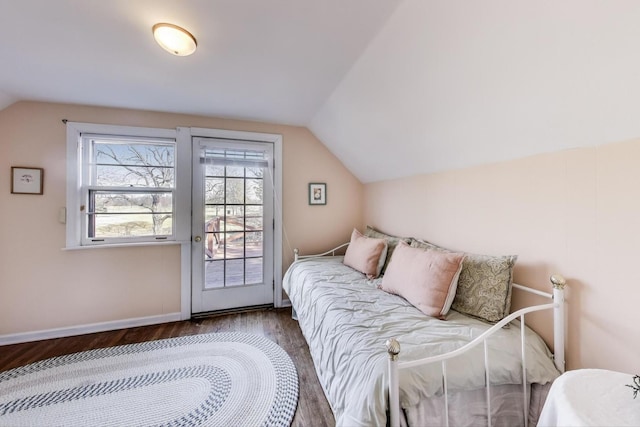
(392, 87)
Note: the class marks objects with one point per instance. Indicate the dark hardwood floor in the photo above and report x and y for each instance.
(276, 324)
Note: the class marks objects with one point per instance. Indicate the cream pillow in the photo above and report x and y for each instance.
(425, 277)
(366, 254)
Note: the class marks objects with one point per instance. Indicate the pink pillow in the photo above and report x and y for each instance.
(366, 254)
(426, 278)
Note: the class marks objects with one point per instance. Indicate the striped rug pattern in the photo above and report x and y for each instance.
(224, 379)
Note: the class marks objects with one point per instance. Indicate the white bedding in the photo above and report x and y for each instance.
(346, 321)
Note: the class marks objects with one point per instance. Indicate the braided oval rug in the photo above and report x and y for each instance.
(223, 379)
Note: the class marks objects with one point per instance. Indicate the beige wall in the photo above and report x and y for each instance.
(43, 287)
(573, 212)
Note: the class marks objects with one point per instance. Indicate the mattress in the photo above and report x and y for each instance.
(346, 321)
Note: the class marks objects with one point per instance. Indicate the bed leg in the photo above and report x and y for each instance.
(559, 284)
(393, 349)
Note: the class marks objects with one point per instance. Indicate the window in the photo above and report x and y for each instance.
(123, 185)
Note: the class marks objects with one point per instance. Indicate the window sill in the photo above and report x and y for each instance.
(125, 245)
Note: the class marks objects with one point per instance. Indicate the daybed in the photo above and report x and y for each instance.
(346, 320)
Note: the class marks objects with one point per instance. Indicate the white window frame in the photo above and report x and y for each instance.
(78, 186)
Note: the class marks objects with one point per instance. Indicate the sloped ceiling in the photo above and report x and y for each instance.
(392, 87)
(450, 84)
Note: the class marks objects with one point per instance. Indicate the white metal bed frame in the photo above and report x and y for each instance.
(393, 346)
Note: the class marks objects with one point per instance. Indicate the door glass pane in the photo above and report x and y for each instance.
(254, 270)
(234, 196)
(234, 272)
(255, 172)
(214, 170)
(214, 274)
(254, 244)
(235, 171)
(234, 218)
(254, 191)
(214, 190)
(253, 218)
(234, 190)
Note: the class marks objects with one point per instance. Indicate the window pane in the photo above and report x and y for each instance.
(235, 190)
(133, 154)
(129, 225)
(254, 191)
(129, 163)
(130, 203)
(134, 176)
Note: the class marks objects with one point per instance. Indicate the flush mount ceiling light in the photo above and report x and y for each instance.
(174, 39)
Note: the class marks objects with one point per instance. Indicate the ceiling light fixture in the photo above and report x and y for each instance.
(174, 39)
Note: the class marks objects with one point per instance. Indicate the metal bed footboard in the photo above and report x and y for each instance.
(393, 349)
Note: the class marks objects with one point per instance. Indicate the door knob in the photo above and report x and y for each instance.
(197, 238)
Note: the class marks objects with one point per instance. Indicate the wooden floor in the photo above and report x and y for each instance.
(275, 324)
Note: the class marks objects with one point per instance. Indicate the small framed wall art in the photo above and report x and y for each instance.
(26, 180)
(317, 193)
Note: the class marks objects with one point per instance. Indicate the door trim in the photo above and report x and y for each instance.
(185, 135)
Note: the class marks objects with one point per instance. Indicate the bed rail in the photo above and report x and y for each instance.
(332, 252)
(393, 348)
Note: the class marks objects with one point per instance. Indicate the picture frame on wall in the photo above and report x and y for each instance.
(317, 193)
(26, 180)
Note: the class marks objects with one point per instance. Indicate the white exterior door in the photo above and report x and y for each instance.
(233, 224)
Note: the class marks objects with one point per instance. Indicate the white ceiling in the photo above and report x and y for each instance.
(267, 60)
(392, 87)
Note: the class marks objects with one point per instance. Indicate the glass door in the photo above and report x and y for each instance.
(232, 236)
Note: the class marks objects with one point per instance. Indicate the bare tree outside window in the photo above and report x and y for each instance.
(134, 195)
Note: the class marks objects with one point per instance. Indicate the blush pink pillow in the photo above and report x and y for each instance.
(426, 278)
(366, 254)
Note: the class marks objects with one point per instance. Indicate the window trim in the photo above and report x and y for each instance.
(75, 238)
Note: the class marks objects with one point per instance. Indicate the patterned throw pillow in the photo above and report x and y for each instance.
(392, 242)
(484, 285)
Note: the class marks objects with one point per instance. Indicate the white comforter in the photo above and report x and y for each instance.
(346, 321)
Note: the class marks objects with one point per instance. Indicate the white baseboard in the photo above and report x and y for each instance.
(87, 329)
(286, 303)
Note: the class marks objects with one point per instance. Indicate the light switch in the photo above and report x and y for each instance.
(62, 215)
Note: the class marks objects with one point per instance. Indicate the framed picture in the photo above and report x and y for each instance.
(26, 180)
(317, 193)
